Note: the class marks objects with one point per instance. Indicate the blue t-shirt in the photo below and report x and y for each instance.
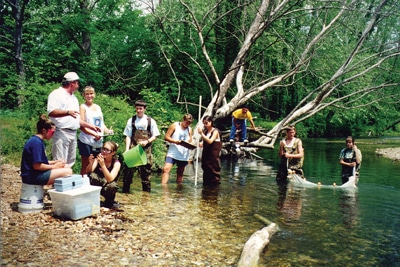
(34, 152)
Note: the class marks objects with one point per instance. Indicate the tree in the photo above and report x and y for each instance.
(300, 35)
(12, 37)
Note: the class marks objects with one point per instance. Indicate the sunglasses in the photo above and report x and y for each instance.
(106, 150)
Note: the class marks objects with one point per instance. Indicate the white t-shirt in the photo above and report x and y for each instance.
(61, 99)
(141, 124)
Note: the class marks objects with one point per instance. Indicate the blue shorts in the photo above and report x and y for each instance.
(179, 163)
(85, 150)
(41, 179)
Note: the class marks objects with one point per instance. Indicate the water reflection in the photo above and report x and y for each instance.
(289, 202)
(348, 204)
(235, 174)
(209, 194)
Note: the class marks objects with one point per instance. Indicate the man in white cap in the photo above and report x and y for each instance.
(63, 110)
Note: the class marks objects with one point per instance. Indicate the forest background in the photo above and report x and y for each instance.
(170, 53)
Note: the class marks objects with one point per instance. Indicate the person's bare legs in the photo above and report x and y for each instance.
(57, 173)
(165, 174)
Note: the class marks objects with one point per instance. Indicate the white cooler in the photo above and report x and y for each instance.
(76, 203)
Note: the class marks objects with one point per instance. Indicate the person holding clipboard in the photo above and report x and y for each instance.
(90, 141)
(179, 137)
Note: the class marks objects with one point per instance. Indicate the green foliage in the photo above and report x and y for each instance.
(35, 98)
(16, 129)
(126, 61)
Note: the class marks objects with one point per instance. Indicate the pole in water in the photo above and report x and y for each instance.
(197, 147)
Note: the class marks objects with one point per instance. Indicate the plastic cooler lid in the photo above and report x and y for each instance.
(77, 191)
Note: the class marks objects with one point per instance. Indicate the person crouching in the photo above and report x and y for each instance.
(103, 171)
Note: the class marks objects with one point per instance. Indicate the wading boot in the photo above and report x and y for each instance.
(146, 186)
(127, 181)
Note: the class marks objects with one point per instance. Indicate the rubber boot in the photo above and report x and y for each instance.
(108, 203)
(127, 181)
(146, 186)
(126, 187)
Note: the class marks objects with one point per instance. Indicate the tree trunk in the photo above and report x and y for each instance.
(256, 243)
(18, 14)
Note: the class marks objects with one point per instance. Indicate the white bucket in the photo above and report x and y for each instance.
(31, 199)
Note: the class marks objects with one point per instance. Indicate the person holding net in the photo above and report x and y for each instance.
(291, 152)
(350, 160)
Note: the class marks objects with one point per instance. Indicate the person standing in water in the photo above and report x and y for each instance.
(140, 130)
(291, 152)
(350, 159)
(210, 158)
(177, 154)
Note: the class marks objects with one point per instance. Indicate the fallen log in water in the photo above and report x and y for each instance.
(263, 219)
(256, 243)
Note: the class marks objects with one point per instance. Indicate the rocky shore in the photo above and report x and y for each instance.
(391, 153)
(40, 239)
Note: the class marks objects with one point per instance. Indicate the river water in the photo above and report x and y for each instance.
(318, 227)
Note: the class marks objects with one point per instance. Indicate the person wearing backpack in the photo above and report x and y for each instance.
(140, 130)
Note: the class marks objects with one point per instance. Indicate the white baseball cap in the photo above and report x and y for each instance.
(71, 76)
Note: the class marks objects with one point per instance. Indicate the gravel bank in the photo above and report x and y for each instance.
(391, 153)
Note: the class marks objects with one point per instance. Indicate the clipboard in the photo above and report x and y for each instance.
(187, 145)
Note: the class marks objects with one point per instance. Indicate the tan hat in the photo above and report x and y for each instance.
(71, 76)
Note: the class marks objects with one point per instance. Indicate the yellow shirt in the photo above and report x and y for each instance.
(238, 114)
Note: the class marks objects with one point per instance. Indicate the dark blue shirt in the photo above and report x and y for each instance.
(34, 152)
